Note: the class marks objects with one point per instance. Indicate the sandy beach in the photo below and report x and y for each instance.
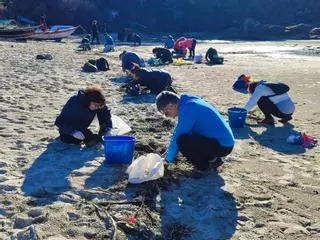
(267, 189)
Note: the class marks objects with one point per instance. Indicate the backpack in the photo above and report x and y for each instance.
(278, 88)
(133, 89)
(102, 64)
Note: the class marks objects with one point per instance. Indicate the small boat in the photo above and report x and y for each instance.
(54, 33)
(17, 33)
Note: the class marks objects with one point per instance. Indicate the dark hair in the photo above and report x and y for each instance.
(252, 87)
(121, 54)
(94, 93)
(164, 98)
(135, 70)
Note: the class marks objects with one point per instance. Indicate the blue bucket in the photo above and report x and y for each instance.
(118, 149)
(237, 117)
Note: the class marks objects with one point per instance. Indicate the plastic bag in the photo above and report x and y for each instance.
(119, 126)
(146, 168)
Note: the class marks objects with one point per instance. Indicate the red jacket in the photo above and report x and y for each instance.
(187, 43)
(176, 43)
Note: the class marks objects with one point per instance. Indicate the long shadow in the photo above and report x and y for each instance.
(189, 208)
(142, 98)
(120, 80)
(48, 176)
(198, 209)
(106, 175)
(274, 137)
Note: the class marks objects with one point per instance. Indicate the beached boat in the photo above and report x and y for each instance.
(54, 33)
(17, 32)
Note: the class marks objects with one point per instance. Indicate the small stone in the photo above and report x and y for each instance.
(73, 216)
(305, 222)
(35, 212)
(243, 218)
(22, 222)
(40, 219)
(259, 225)
(265, 204)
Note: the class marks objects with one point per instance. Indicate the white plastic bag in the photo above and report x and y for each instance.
(146, 168)
(119, 127)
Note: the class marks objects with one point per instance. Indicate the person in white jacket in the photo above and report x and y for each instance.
(272, 99)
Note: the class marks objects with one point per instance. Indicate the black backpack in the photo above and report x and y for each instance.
(133, 89)
(278, 88)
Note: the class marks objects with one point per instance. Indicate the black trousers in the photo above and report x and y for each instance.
(193, 48)
(95, 36)
(199, 150)
(269, 108)
(88, 136)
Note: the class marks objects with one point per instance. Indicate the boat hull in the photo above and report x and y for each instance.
(53, 35)
(17, 33)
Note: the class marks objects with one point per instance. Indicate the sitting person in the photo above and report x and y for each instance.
(179, 51)
(109, 44)
(201, 134)
(79, 112)
(189, 43)
(162, 54)
(212, 57)
(154, 79)
(128, 58)
(85, 43)
(169, 42)
(136, 39)
(272, 99)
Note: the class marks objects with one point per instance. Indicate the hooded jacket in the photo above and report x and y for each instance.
(196, 116)
(76, 115)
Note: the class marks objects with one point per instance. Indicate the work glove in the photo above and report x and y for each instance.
(78, 135)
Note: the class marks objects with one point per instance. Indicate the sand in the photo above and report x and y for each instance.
(267, 189)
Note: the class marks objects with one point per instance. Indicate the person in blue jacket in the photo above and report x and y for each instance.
(109, 43)
(154, 79)
(169, 42)
(79, 112)
(201, 134)
(128, 58)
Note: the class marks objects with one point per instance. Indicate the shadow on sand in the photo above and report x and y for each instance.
(273, 137)
(49, 174)
(189, 208)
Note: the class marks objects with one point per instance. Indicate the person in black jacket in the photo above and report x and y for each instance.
(95, 32)
(162, 54)
(79, 112)
(154, 79)
(212, 56)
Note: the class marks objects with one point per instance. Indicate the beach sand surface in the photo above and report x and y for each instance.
(267, 189)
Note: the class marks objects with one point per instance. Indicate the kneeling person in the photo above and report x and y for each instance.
(154, 79)
(79, 112)
(163, 54)
(201, 133)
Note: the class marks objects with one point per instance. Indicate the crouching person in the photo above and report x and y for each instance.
(201, 134)
(85, 43)
(79, 112)
(272, 99)
(162, 54)
(154, 79)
